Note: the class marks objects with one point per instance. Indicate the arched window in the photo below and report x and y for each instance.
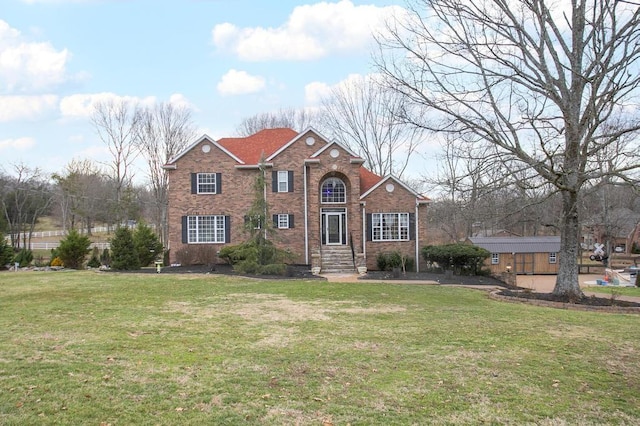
(333, 191)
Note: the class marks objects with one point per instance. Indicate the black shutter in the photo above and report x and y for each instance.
(274, 181)
(227, 229)
(275, 221)
(218, 183)
(290, 221)
(369, 227)
(185, 235)
(412, 226)
(290, 181)
(194, 183)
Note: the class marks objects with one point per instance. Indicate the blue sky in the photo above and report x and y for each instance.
(226, 59)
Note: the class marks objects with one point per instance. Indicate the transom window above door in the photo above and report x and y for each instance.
(333, 191)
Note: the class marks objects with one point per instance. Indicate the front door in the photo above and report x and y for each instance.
(334, 228)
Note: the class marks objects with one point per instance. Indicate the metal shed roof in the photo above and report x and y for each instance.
(546, 244)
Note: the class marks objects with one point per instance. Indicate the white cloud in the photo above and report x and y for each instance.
(25, 107)
(20, 144)
(29, 66)
(236, 82)
(180, 101)
(81, 105)
(311, 32)
(314, 92)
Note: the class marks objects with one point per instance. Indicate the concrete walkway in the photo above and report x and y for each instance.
(537, 283)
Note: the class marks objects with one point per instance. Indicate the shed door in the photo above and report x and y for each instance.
(524, 263)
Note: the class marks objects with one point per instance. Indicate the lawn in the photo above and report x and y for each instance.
(615, 290)
(121, 349)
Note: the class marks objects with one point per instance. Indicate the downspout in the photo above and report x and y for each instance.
(264, 192)
(364, 230)
(306, 218)
(417, 238)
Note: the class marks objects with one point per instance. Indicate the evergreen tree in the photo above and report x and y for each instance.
(147, 244)
(73, 250)
(123, 251)
(6, 252)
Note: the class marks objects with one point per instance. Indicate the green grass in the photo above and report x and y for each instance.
(90, 348)
(621, 291)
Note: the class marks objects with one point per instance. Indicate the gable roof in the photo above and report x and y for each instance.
(330, 144)
(381, 181)
(545, 244)
(251, 148)
(205, 137)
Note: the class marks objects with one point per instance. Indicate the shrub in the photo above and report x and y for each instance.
(6, 252)
(247, 266)
(73, 249)
(460, 257)
(196, 255)
(147, 244)
(274, 269)
(56, 261)
(387, 261)
(123, 252)
(24, 257)
(94, 262)
(105, 257)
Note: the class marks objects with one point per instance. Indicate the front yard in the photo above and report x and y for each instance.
(95, 348)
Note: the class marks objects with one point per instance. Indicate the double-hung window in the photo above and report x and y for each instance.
(282, 181)
(283, 221)
(553, 257)
(206, 229)
(390, 226)
(495, 258)
(206, 183)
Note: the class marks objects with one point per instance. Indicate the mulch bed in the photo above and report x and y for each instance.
(293, 271)
(432, 276)
(584, 301)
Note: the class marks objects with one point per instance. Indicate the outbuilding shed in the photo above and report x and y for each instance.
(522, 255)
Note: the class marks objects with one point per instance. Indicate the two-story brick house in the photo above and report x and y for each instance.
(322, 200)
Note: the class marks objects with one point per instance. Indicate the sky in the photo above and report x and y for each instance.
(226, 59)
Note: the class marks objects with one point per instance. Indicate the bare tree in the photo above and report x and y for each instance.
(163, 132)
(83, 195)
(296, 119)
(549, 84)
(115, 122)
(367, 117)
(24, 198)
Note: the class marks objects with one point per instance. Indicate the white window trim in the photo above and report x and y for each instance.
(194, 226)
(495, 258)
(379, 226)
(283, 219)
(283, 179)
(214, 183)
(553, 257)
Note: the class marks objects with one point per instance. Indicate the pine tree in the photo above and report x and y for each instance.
(123, 252)
(73, 250)
(147, 244)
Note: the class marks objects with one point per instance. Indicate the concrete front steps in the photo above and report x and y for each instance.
(337, 260)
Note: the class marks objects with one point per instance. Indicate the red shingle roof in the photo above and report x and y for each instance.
(249, 149)
(368, 180)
